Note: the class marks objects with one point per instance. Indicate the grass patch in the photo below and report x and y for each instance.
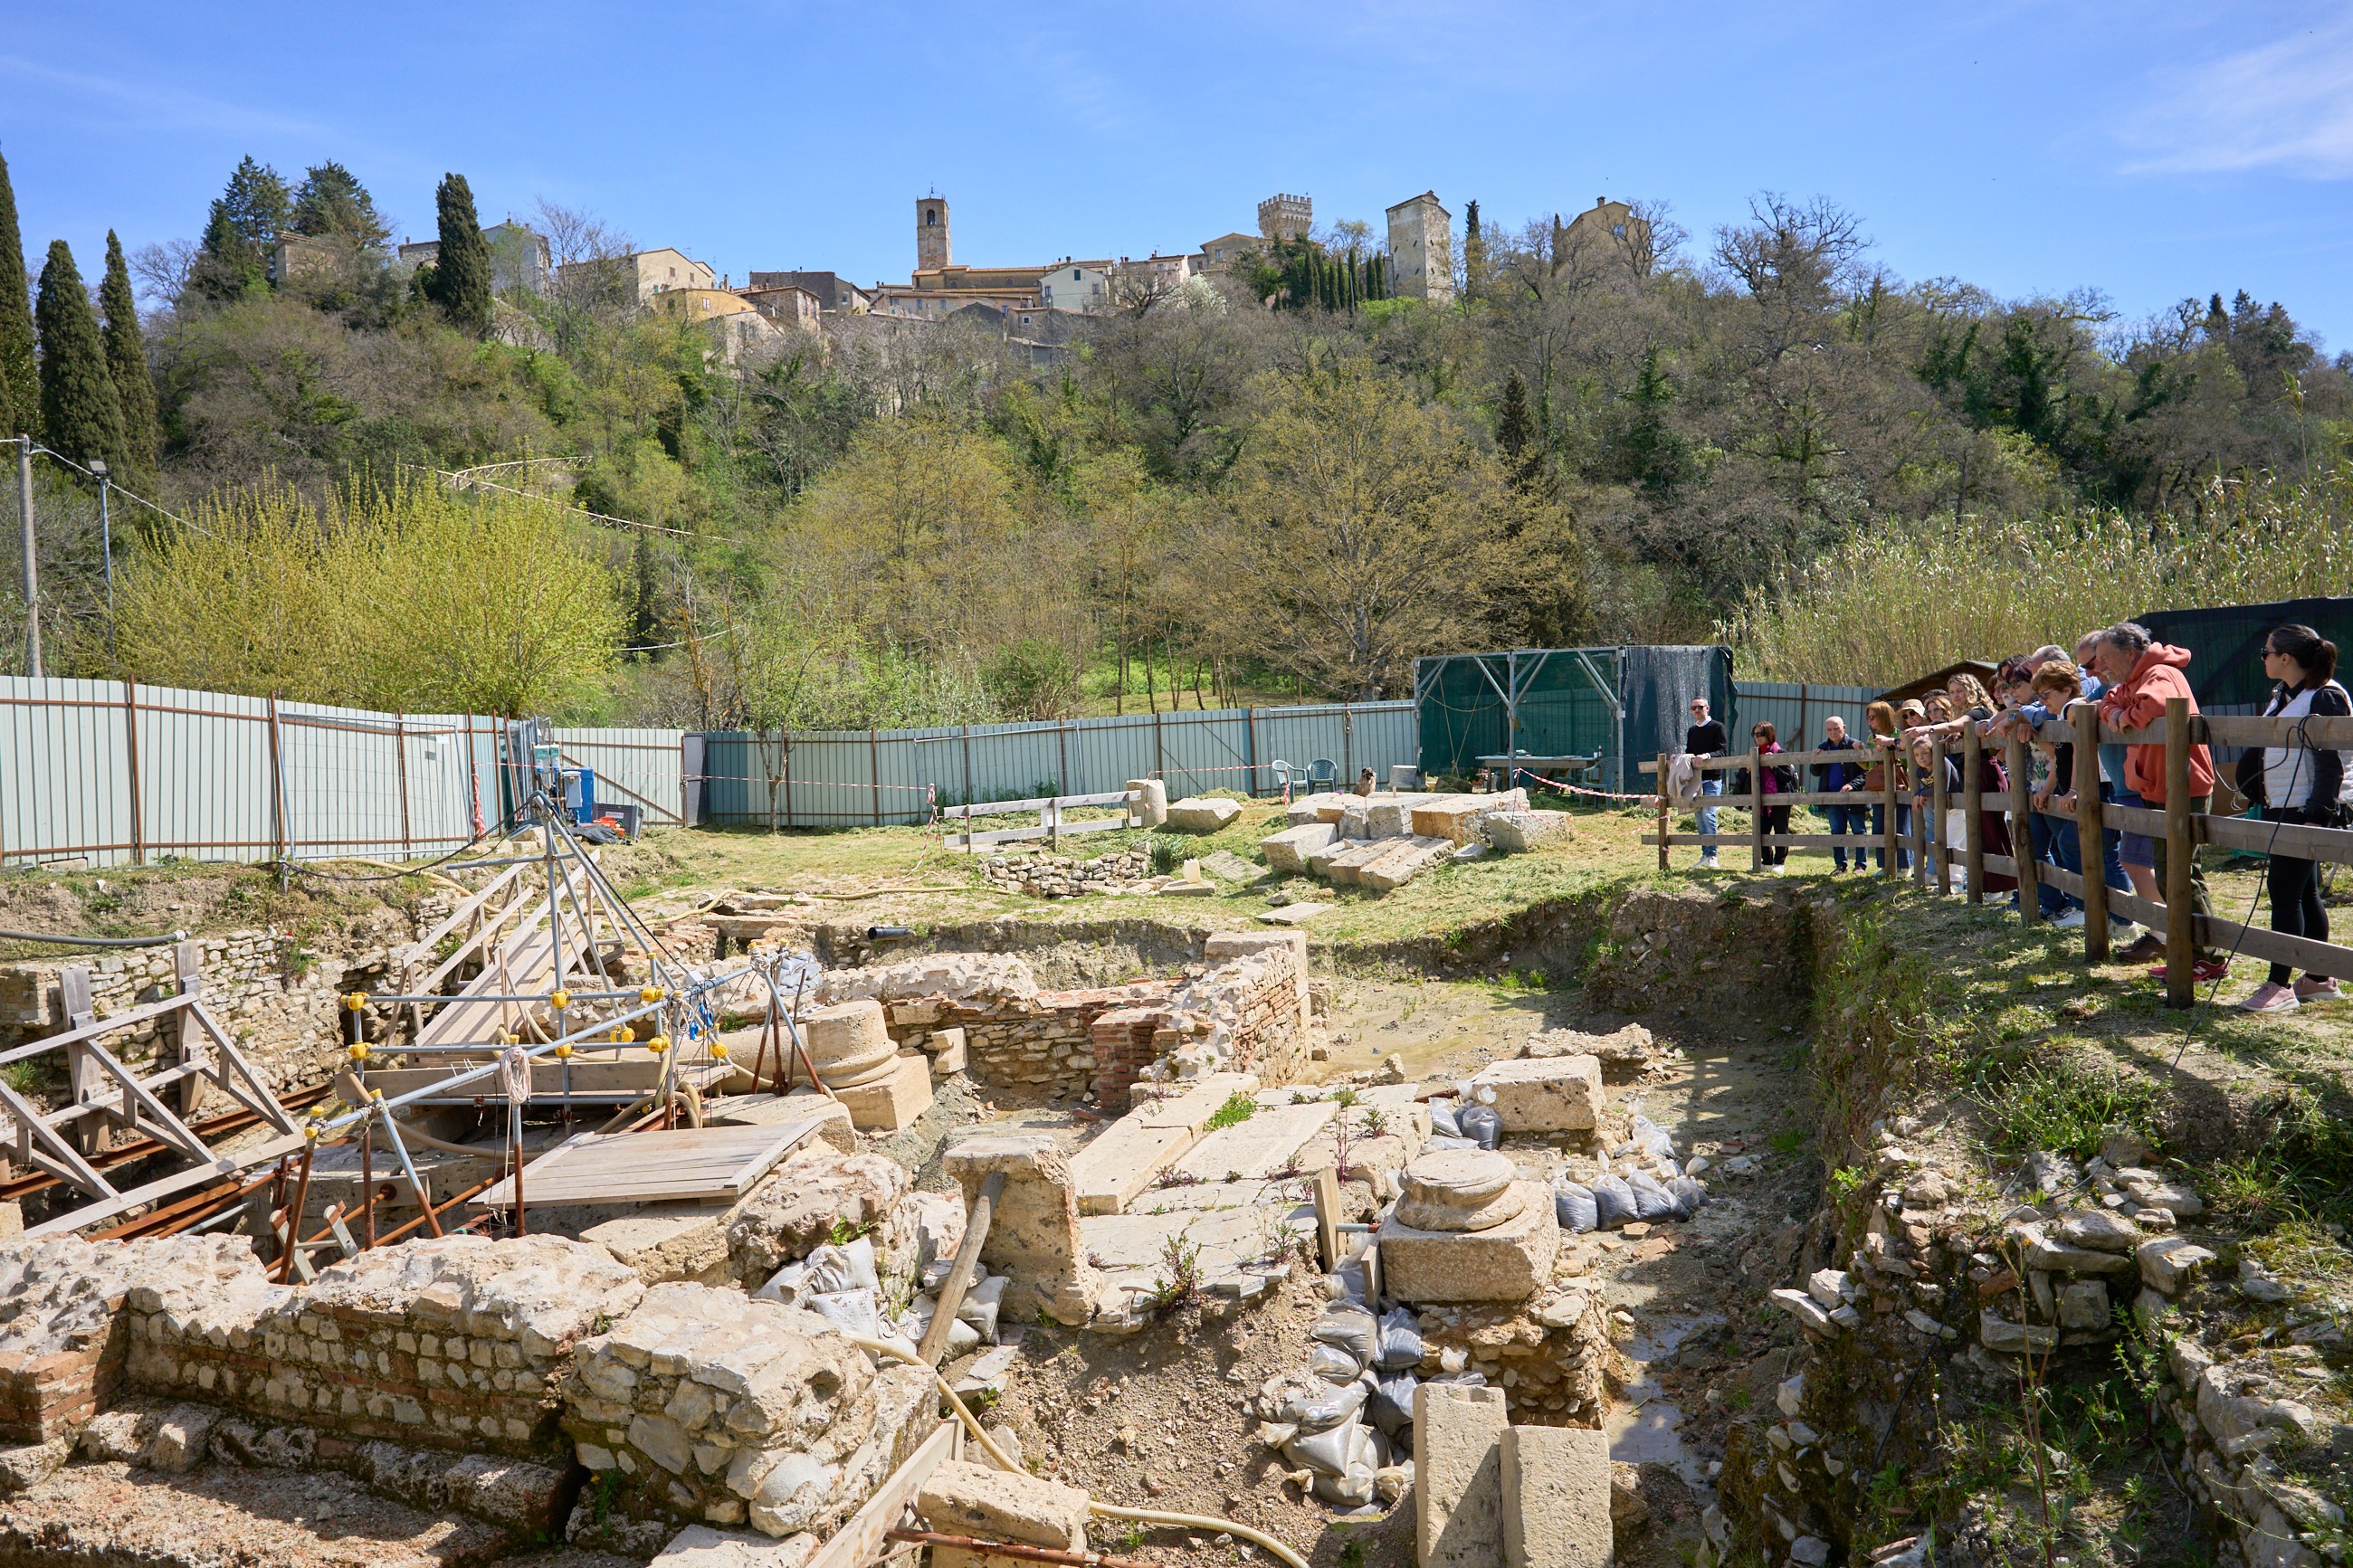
(1237, 1109)
(2060, 1101)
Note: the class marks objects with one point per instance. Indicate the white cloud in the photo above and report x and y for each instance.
(154, 106)
(2287, 105)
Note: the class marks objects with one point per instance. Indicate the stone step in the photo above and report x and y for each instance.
(1555, 1501)
(1126, 1157)
(1268, 1142)
(1458, 1476)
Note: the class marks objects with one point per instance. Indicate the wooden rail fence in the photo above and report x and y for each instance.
(2181, 830)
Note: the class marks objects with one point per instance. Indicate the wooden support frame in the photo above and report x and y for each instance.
(968, 1258)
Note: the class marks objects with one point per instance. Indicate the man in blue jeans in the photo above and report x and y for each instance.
(1705, 738)
(1844, 777)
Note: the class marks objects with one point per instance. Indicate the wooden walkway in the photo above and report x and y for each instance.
(707, 1164)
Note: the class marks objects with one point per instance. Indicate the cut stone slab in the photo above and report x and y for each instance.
(1556, 1499)
(1148, 802)
(1507, 1262)
(1229, 867)
(666, 1242)
(1455, 818)
(1231, 1245)
(949, 1059)
(1124, 1161)
(1195, 1102)
(1390, 815)
(1033, 1236)
(1289, 849)
(1409, 858)
(1295, 914)
(1345, 868)
(700, 1546)
(1268, 1142)
(831, 1116)
(964, 1498)
(1458, 1491)
(890, 1102)
(1306, 809)
(1514, 832)
(1203, 814)
(1545, 1094)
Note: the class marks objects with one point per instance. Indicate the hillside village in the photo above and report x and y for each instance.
(1041, 306)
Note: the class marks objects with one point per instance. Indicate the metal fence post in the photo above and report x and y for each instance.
(131, 752)
(400, 755)
(279, 830)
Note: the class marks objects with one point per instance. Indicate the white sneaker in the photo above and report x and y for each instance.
(2071, 920)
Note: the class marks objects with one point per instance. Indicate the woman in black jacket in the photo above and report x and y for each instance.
(2297, 784)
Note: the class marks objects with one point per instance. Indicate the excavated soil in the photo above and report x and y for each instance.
(1157, 1418)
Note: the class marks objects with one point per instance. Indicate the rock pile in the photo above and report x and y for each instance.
(1056, 877)
(708, 1404)
(1622, 1054)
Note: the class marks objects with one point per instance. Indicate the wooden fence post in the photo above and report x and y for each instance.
(2181, 921)
(2091, 833)
(2021, 822)
(1973, 811)
(1887, 855)
(1940, 802)
(1756, 808)
(1664, 815)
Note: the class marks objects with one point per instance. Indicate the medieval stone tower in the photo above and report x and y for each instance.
(1285, 217)
(931, 233)
(1421, 250)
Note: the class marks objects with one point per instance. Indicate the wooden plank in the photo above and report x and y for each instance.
(2276, 947)
(2181, 846)
(1015, 835)
(968, 1258)
(2299, 839)
(2091, 821)
(2328, 732)
(456, 917)
(1786, 840)
(864, 1534)
(38, 1144)
(1007, 807)
(2138, 819)
(122, 1020)
(214, 1170)
(686, 1164)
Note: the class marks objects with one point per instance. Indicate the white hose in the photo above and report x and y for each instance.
(1107, 1510)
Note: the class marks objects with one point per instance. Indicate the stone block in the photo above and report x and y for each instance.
(1515, 831)
(1295, 914)
(1307, 808)
(1456, 818)
(1404, 859)
(1346, 870)
(947, 1047)
(700, 1546)
(1545, 1094)
(959, 1498)
(1033, 1237)
(1506, 1262)
(1390, 815)
(2099, 1230)
(2084, 1304)
(1203, 814)
(665, 1242)
(890, 1102)
(1556, 1498)
(1148, 802)
(1121, 1163)
(1458, 1491)
(832, 1117)
(1289, 849)
(2167, 1263)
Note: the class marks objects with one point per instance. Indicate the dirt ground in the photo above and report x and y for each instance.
(1157, 1418)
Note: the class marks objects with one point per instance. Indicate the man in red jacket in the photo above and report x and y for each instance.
(2141, 674)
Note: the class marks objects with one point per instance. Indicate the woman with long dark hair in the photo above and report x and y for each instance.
(2297, 784)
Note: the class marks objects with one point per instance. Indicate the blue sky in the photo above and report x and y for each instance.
(2152, 151)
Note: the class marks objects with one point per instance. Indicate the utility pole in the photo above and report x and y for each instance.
(32, 564)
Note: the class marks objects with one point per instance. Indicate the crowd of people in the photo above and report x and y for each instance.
(2128, 676)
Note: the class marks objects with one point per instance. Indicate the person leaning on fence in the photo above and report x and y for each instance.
(1844, 778)
(2058, 686)
(2143, 674)
(1777, 781)
(2301, 786)
(1883, 747)
(1705, 738)
(2111, 771)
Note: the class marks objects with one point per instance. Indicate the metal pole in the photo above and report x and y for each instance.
(106, 545)
(32, 560)
(130, 755)
(400, 1147)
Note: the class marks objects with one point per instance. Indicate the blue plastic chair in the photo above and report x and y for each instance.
(1322, 774)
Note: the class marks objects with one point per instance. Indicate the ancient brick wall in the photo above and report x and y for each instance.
(1041, 1044)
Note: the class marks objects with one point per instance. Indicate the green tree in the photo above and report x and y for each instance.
(126, 365)
(1515, 431)
(20, 386)
(80, 415)
(330, 202)
(245, 222)
(1474, 252)
(461, 282)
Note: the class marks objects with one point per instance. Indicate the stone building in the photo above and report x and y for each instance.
(787, 304)
(931, 233)
(1283, 216)
(643, 274)
(830, 290)
(1421, 250)
(519, 256)
(1606, 230)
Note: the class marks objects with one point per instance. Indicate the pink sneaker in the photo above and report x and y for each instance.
(2310, 990)
(2269, 997)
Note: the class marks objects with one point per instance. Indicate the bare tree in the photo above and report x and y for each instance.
(164, 270)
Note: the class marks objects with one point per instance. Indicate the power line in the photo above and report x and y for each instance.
(458, 478)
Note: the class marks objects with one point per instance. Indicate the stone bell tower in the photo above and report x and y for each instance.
(931, 233)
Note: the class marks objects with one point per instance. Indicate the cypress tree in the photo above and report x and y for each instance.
(20, 386)
(126, 365)
(80, 415)
(1515, 431)
(461, 272)
(1474, 252)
